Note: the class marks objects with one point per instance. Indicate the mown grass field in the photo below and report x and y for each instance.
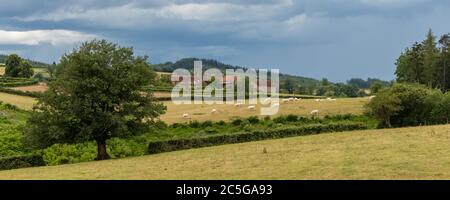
(40, 87)
(406, 153)
(17, 100)
(225, 112)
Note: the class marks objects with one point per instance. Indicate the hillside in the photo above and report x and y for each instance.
(406, 153)
(32, 62)
(188, 63)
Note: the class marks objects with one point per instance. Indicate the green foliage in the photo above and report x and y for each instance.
(17, 67)
(12, 65)
(38, 64)
(95, 96)
(441, 111)
(409, 105)
(426, 63)
(179, 144)
(25, 70)
(15, 162)
(384, 106)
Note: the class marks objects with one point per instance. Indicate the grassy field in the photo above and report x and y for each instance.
(19, 101)
(225, 112)
(41, 87)
(407, 153)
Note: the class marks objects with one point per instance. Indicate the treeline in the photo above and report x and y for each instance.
(33, 63)
(426, 62)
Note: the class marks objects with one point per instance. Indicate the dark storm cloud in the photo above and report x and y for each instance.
(338, 39)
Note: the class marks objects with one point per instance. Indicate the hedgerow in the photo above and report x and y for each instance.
(179, 144)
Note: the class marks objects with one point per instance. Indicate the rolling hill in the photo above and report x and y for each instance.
(405, 153)
(188, 63)
(32, 62)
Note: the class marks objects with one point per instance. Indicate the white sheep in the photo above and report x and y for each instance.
(266, 101)
(185, 115)
(238, 105)
(251, 107)
(285, 100)
(372, 97)
(315, 112)
(333, 100)
(213, 111)
(318, 100)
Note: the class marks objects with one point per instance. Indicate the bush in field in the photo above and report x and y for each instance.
(441, 112)
(408, 105)
(94, 97)
(412, 98)
(383, 107)
(253, 120)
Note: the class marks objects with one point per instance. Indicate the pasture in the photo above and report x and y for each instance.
(225, 112)
(41, 87)
(405, 153)
(22, 102)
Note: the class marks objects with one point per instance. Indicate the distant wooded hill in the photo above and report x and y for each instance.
(188, 63)
(32, 62)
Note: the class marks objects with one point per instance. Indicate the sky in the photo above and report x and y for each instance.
(336, 39)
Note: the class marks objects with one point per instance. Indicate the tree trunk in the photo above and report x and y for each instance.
(102, 154)
(388, 122)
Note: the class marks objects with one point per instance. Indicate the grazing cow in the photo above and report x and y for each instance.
(185, 115)
(251, 107)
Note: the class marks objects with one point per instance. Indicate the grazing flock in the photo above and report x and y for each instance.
(313, 113)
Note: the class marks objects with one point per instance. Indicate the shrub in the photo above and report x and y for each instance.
(236, 121)
(253, 120)
(194, 124)
(66, 153)
(32, 160)
(221, 123)
(207, 123)
(291, 118)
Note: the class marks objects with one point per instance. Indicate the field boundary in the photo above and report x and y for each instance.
(182, 144)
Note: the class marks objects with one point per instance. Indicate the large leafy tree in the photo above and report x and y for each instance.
(25, 69)
(12, 65)
(95, 96)
(18, 67)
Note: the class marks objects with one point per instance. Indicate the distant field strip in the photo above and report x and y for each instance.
(225, 112)
(407, 153)
(19, 101)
